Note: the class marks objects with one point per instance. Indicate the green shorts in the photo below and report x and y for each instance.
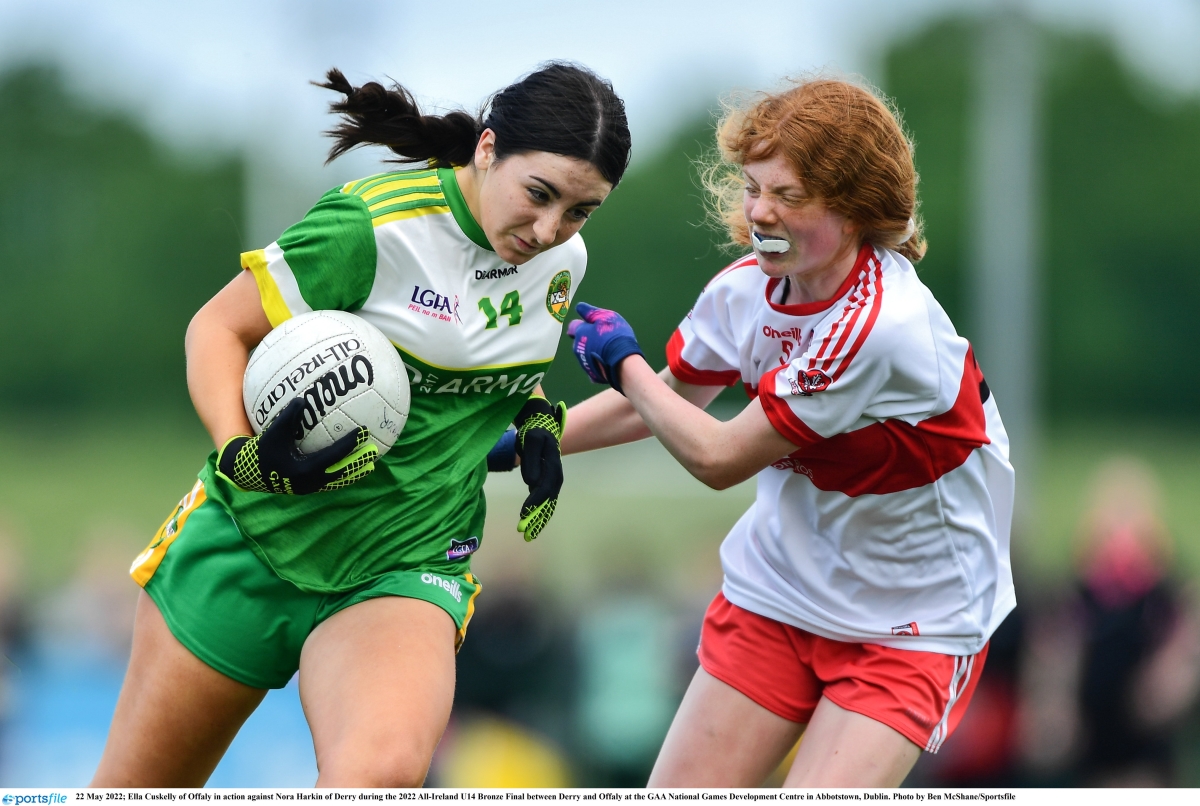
(231, 610)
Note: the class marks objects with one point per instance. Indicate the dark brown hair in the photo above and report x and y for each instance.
(560, 108)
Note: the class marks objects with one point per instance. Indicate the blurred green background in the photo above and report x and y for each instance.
(111, 237)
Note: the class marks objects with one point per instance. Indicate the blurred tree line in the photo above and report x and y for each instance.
(109, 241)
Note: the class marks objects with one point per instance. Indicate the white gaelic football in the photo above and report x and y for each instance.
(347, 372)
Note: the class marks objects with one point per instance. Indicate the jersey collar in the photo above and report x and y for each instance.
(809, 308)
(458, 206)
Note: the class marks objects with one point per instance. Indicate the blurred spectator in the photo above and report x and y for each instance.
(93, 612)
(12, 631)
(629, 685)
(1111, 673)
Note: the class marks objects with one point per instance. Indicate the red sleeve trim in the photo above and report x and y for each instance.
(781, 415)
(689, 374)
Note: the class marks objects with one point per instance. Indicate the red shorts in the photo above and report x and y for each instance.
(786, 670)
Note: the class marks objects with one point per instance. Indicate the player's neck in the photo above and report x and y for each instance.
(821, 283)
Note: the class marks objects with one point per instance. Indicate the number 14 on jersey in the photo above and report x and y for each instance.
(510, 306)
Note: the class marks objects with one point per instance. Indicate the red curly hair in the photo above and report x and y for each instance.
(847, 146)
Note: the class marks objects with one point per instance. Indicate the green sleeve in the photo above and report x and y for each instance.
(331, 253)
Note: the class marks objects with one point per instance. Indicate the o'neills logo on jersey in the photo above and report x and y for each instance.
(462, 548)
(428, 302)
(809, 381)
(495, 274)
(791, 333)
(906, 629)
(450, 586)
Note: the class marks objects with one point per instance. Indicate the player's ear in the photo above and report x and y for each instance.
(485, 150)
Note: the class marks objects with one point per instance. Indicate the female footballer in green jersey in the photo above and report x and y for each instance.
(467, 263)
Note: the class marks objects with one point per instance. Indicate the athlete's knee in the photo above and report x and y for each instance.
(385, 764)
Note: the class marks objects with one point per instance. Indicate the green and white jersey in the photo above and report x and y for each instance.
(476, 335)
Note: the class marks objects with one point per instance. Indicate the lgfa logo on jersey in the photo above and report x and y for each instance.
(428, 302)
(558, 297)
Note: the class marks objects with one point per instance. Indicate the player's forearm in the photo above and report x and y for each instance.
(216, 362)
(696, 439)
(218, 344)
(601, 421)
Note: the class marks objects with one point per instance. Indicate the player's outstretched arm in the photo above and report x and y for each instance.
(608, 418)
(720, 454)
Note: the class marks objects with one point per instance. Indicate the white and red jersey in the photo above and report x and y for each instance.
(890, 523)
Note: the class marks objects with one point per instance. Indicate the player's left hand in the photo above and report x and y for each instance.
(603, 339)
(539, 429)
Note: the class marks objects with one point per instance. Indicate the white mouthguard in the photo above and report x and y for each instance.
(770, 244)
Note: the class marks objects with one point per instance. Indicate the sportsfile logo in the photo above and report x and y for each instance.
(450, 586)
(17, 800)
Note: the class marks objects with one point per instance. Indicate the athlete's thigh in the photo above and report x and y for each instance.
(844, 748)
(721, 737)
(175, 716)
(377, 683)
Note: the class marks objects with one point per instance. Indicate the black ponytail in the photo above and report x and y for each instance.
(560, 108)
(375, 115)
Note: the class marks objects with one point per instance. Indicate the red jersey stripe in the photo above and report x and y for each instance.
(866, 301)
(889, 456)
(781, 415)
(685, 372)
(866, 330)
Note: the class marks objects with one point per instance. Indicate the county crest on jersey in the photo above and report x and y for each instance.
(476, 335)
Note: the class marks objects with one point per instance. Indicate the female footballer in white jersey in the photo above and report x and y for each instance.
(861, 588)
(358, 574)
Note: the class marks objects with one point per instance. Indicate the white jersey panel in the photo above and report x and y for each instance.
(890, 524)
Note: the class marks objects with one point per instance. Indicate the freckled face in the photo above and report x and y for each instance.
(776, 204)
(534, 201)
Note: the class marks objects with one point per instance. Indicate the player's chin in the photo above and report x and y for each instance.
(516, 251)
(775, 264)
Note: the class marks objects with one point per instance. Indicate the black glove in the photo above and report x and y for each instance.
(539, 428)
(271, 462)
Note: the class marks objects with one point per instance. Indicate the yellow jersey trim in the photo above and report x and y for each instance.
(462, 631)
(272, 300)
(146, 563)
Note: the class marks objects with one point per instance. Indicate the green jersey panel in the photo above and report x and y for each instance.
(476, 336)
(331, 252)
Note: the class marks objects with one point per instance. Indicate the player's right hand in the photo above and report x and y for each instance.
(272, 463)
(603, 339)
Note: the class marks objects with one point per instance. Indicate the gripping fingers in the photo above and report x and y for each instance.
(348, 468)
(534, 519)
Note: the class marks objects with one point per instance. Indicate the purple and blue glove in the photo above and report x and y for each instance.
(603, 339)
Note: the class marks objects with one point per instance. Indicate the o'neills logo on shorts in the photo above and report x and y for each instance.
(906, 629)
(450, 586)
